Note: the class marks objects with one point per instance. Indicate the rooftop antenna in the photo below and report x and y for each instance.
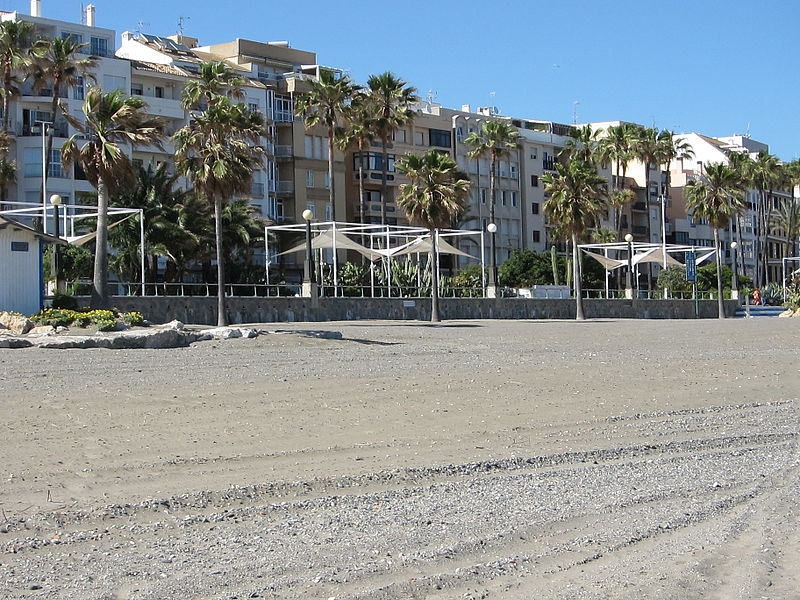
(181, 22)
(747, 135)
(432, 96)
(575, 104)
(141, 25)
(83, 14)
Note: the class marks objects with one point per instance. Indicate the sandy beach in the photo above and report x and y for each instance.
(476, 459)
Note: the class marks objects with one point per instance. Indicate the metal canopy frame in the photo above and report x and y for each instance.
(384, 234)
(784, 276)
(79, 211)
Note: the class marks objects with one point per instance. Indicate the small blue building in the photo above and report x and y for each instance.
(21, 267)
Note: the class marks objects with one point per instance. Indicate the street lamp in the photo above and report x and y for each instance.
(491, 286)
(629, 274)
(55, 201)
(308, 263)
(735, 275)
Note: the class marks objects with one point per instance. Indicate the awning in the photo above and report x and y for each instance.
(80, 240)
(608, 263)
(326, 240)
(423, 244)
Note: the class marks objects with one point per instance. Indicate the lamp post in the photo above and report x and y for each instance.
(46, 130)
(629, 274)
(491, 285)
(735, 275)
(55, 201)
(308, 263)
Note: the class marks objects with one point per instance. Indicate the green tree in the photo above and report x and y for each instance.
(765, 173)
(56, 65)
(325, 104)
(15, 44)
(497, 139)
(215, 81)
(741, 163)
(577, 194)
(391, 98)
(673, 278)
(359, 130)
(218, 151)
(717, 197)
(111, 122)
(526, 268)
(434, 198)
(672, 148)
(584, 144)
(786, 218)
(617, 146)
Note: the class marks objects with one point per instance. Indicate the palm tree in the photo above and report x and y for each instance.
(434, 198)
(111, 122)
(359, 130)
(215, 81)
(617, 146)
(787, 219)
(649, 150)
(218, 151)
(672, 148)
(741, 163)
(717, 197)
(584, 144)
(8, 169)
(325, 104)
(577, 194)
(764, 174)
(498, 139)
(15, 45)
(391, 98)
(156, 194)
(56, 64)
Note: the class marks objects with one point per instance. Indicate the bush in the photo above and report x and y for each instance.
(132, 319)
(62, 300)
(105, 320)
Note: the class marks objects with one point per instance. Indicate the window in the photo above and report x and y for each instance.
(536, 236)
(535, 208)
(113, 82)
(513, 167)
(76, 37)
(534, 180)
(99, 47)
(54, 168)
(309, 139)
(136, 89)
(440, 138)
(328, 212)
(503, 197)
(327, 182)
(77, 89)
(324, 143)
(460, 133)
(253, 106)
(373, 161)
(317, 147)
(159, 91)
(283, 110)
(419, 138)
(400, 136)
(513, 198)
(483, 196)
(32, 159)
(534, 152)
(309, 179)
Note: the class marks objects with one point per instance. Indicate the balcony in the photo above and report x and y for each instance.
(639, 206)
(283, 151)
(27, 130)
(283, 116)
(285, 187)
(164, 107)
(549, 164)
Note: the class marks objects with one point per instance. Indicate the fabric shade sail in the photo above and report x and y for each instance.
(326, 240)
(80, 240)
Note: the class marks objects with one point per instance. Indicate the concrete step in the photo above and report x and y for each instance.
(760, 311)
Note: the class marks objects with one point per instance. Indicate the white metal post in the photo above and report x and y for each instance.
(141, 243)
(335, 265)
(44, 175)
(483, 266)
(266, 257)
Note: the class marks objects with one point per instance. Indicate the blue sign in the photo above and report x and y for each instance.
(691, 266)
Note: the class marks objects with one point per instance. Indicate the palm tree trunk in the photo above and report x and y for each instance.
(647, 208)
(492, 192)
(434, 280)
(384, 176)
(720, 303)
(576, 278)
(222, 317)
(99, 286)
(54, 106)
(739, 242)
(332, 191)
(6, 95)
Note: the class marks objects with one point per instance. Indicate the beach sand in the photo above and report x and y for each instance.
(475, 459)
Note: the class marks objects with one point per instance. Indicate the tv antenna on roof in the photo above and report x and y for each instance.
(432, 96)
(141, 25)
(575, 104)
(181, 22)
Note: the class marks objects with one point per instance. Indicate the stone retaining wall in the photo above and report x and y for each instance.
(202, 310)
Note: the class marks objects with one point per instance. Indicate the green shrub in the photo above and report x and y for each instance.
(132, 319)
(62, 300)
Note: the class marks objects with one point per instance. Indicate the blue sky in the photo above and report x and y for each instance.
(714, 66)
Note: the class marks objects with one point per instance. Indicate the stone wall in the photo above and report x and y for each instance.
(202, 310)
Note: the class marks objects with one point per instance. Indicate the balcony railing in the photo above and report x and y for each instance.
(549, 164)
(282, 151)
(641, 206)
(283, 116)
(285, 187)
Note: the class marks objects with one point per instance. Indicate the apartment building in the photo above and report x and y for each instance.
(31, 119)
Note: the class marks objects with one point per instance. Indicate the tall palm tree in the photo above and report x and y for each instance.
(498, 139)
(584, 144)
(391, 98)
(717, 197)
(617, 146)
(741, 163)
(56, 65)
(215, 81)
(672, 148)
(112, 122)
(359, 130)
(577, 195)
(765, 175)
(786, 218)
(648, 149)
(8, 169)
(15, 44)
(218, 151)
(434, 198)
(325, 104)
